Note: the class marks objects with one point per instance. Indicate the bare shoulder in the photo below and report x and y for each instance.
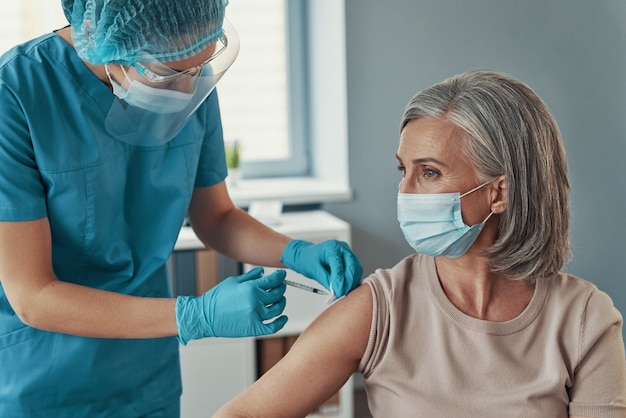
(346, 323)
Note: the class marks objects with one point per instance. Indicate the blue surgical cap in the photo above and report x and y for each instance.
(127, 31)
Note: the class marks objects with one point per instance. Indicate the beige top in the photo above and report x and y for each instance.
(425, 358)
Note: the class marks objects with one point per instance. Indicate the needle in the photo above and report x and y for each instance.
(305, 287)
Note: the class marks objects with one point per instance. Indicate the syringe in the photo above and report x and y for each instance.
(305, 287)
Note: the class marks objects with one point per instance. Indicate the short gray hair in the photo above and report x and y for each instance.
(509, 131)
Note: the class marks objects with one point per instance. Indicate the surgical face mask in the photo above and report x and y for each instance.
(432, 223)
(152, 99)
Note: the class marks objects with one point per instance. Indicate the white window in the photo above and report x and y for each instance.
(262, 94)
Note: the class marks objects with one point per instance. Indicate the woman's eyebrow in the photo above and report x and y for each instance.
(418, 161)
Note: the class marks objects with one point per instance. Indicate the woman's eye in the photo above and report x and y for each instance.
(429, 173)
(402, 170)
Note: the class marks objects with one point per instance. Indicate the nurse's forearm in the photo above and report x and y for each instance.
(231, 231)
(243, 238)
(42, 301)
(79, 310)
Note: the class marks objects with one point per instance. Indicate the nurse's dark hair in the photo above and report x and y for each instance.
(508, 130)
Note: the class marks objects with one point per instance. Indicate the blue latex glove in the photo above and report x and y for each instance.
(236, 307)
(331, 263)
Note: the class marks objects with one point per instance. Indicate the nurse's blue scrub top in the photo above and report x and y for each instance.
(115, 211)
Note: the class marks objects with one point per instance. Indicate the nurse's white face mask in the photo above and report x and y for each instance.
(154, 102)
(152, 99)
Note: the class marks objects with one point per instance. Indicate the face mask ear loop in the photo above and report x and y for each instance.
(118, 90)
(126, 74)
(106, 69)
(475, 188)
(487, 218)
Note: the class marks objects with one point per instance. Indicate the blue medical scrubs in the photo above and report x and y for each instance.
(115, 211)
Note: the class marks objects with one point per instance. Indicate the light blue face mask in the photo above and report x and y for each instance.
(432, 223)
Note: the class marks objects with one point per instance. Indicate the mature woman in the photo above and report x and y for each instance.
(480, 322)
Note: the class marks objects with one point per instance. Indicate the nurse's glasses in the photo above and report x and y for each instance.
(157, 72)
(225, 51)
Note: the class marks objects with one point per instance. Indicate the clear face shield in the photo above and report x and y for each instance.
(154, 101)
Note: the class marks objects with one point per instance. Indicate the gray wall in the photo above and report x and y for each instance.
(572, 52)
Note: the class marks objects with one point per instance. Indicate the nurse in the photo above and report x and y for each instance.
(110, 135)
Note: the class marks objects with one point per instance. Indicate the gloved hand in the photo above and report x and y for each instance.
(331, 263)
(236, 307)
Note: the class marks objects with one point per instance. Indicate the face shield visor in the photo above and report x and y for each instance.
(153, 101)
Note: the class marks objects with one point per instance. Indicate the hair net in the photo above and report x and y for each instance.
(126, 31)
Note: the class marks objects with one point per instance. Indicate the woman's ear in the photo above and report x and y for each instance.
(498, 195)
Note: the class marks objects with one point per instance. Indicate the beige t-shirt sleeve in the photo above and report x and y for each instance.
(599, 386)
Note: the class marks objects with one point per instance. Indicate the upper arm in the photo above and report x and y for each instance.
(209, 214)
(319, 363)
(208, 203)
(25, 260)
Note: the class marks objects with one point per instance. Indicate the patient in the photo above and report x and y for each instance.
(479, 322)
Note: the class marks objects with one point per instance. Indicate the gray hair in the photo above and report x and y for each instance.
(509, 131)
